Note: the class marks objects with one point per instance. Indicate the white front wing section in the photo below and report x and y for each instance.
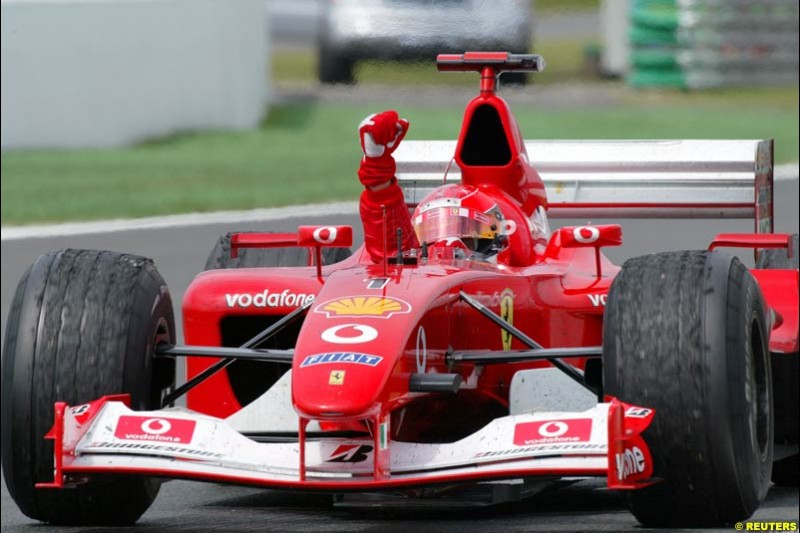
(570, 444)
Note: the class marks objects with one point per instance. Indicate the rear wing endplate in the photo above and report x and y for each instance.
(624, 179)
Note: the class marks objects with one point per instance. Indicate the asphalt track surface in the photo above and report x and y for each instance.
(180, 253)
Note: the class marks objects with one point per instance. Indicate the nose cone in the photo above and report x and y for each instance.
(346, 354)
(339, 383)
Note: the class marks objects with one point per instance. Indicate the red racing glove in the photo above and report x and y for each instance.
(380, 136)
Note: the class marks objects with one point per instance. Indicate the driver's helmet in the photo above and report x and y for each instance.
(461, 216)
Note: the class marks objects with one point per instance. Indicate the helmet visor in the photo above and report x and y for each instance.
(441, 223)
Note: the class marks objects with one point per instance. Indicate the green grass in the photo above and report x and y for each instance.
(564, 6)
(309, 153)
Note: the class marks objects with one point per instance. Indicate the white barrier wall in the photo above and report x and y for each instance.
(81, 73)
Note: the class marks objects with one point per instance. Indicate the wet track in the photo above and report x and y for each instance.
(182, 506)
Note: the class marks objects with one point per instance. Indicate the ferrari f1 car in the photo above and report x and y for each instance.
(308, 367)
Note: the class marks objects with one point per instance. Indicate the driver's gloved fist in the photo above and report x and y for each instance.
(380, 135)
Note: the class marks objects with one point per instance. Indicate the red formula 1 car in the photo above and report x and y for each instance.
(673, 376)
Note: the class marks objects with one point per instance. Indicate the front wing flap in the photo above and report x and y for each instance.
(106, 437)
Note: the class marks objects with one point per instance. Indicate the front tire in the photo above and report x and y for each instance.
(685, 333)
(82, 324)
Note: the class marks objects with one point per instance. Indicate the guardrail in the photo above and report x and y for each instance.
(713, 43)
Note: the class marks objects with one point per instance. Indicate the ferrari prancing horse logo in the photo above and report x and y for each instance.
(507, 314)
(336, 377)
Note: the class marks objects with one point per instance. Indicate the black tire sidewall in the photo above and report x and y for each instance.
(729, 303)
(17, 409)
(143, 336)
(786, 387)
(31, 378)
(732, 313)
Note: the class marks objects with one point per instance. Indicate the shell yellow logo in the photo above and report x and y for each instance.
(364, 306)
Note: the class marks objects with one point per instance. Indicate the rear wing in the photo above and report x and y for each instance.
(624, 179)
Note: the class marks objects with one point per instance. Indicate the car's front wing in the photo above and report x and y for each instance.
(106, 437)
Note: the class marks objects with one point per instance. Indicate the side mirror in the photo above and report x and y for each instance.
(585, 237)
(310, 236)
(590, 236)
(325, 236)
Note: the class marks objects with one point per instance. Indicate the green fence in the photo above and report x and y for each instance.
(713, 43)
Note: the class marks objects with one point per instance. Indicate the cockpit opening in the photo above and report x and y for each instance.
(486, 144)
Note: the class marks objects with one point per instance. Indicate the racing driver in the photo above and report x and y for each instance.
(458, 218)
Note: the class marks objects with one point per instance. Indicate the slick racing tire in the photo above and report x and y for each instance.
(785, 372)
(82, 324)
(250, 379)
(685, 333)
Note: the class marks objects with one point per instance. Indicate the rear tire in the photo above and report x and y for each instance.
(685, 333)
(786, 369)
(82, 324)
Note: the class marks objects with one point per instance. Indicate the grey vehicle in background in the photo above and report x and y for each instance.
(356, 30)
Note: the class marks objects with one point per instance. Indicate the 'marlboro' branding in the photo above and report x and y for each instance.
(267, 298)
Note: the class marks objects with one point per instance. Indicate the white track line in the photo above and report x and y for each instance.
(176, 221)
(787, 172)
(12, 233)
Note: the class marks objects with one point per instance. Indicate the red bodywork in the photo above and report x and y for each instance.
(554, 292)
(370, 327)
(359, 343)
